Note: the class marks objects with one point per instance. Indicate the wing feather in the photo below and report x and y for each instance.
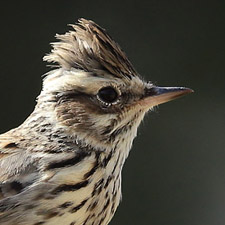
(18, 169)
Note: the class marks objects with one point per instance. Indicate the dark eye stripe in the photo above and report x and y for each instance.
(68, 95)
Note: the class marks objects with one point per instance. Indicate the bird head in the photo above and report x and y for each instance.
(96, 94)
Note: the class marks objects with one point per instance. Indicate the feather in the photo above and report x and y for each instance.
(88, 47)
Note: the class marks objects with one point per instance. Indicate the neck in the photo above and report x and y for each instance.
(93, 172)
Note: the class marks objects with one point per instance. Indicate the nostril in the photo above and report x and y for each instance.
(150, 91)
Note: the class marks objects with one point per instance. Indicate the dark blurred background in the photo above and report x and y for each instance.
(175, 174)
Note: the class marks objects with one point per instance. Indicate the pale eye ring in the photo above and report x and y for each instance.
(108, 95)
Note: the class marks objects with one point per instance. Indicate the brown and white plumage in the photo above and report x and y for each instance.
(88, 47)
(63, 164)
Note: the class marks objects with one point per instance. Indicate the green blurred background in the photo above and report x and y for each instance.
(175, 174)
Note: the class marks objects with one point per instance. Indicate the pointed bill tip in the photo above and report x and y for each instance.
(158, 95)
(172, 91)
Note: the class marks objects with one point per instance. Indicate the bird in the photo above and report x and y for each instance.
(63, 164)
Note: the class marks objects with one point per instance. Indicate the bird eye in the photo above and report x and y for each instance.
(108, 94)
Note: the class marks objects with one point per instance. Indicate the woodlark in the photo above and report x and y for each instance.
(62, 166)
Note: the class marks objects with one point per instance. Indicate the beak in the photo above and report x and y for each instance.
(157, 95)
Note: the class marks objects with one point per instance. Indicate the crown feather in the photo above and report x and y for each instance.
(88, 47)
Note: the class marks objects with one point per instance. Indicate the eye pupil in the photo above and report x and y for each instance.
(108, 94)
